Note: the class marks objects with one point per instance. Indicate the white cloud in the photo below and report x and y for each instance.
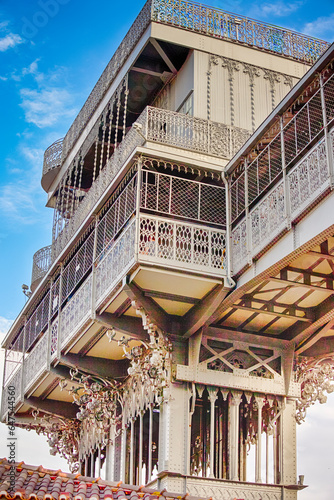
(322, 27)
(5, 324)
(9, 41)
(47, 103)
(21, 200)
(45, 107)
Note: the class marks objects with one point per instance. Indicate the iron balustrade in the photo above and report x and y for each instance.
(306, 182)
(52, 156)
(199, 18)
(40, 264)
(166, 127)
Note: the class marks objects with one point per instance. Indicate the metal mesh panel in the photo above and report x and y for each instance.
(14, 356)
(183, 197)
(302, 127)
(77, 267)
(238, 197)
(116, 217)
(315, 113)
(329, 99)
(37, 321)
(212, 204)
(275, 148)
(290, 142)
(55, 296)
(253, 181)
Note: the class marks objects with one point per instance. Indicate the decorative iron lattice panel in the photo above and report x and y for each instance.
(115, 263)
(308, 178)
(35, 363)
(41, 263)
(329, 99)
(182, 197)
(54, 338)
(52, 156)
(239, 246)
(182, 245)
(195, 134)
(192, 16)
(268, 217)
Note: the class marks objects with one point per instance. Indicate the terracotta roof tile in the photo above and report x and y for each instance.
(37, 483)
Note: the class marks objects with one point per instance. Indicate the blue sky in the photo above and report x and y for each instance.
(51, 54)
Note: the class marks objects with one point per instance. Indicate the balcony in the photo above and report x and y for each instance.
(51, 163)
(285, 180)
(40, 266)
(196, 18)
(154, 126)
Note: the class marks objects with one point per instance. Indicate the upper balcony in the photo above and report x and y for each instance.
(154, 128)
(195, 18)
(51, 163)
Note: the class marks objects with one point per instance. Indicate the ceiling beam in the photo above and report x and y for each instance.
(202, 312)
(319, 255)
(303, 346)
(157, 315)
(164, 75)
(289, 283)
(272, 302)
(315, 274)
(52, 406)
(100, 367)
(125, 324)
(170, 296)
(272, 313)
(163, 55)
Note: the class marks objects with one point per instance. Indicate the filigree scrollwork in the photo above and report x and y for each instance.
(62, 436)
(316, 377)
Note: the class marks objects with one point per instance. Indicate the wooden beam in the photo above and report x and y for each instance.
(163, 55)
(125, 324)
(170, 296)
(100, 367)
(157, 315)
(52, 406)
(272, 313)
(272, 302)
(298, 270)
(319, 255)
(289, 283)
(163, 76)
(202, 312)
(306, 344)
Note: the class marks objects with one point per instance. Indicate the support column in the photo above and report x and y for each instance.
(150, 442)
(213, 395)
(288, 447)
(234, 403)
(140, 461)
(132, 444)
(260, 403)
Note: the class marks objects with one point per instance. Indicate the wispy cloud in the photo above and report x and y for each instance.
(9, 41)
(5, 324)
(48, 102)
(280, 9)
(45, 107)
(20, 198)
(322, 27)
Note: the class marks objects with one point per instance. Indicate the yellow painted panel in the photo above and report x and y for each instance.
(174, 307)
(170, 282)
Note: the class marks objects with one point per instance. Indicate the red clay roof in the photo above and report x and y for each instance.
(27, 482)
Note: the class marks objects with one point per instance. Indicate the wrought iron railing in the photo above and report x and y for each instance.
(194, 134)
(52, 156)
(205, 20)
(40, 264)
(306, 181)
(160, 126)
(211, 21)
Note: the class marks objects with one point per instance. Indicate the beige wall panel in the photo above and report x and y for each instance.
(262, 100)
(183, 83)
(242, 99)
(201, 67)
(220, 106)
